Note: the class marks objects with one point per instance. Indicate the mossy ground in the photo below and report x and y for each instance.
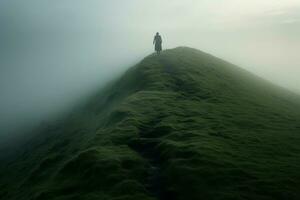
(182, 125)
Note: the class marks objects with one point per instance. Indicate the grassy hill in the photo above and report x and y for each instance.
(182, 125)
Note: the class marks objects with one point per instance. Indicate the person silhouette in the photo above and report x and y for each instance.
(157, 42)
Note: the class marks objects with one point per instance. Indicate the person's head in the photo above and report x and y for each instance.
(157, 33)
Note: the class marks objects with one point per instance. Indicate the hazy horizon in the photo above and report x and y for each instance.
(55, 52)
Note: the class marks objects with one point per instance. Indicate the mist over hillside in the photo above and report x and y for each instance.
(53, 53)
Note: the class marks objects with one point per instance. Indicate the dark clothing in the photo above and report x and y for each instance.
(157, 41)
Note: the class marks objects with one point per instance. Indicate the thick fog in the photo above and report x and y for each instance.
(53, 53)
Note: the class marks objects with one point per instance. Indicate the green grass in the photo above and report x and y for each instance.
(182, 125)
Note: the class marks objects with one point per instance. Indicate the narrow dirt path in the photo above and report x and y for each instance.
(146, 147)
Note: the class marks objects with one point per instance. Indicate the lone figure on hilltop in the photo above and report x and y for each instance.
(157, 42)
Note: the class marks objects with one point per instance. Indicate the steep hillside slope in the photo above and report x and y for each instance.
(182, 125)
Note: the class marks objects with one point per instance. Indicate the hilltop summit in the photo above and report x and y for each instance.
(179, 125)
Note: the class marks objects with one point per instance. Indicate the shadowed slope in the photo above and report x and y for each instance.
(182, 125)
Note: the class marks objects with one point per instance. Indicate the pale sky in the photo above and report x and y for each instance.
(54, 51)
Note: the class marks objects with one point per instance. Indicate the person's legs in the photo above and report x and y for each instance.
(158, 48)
